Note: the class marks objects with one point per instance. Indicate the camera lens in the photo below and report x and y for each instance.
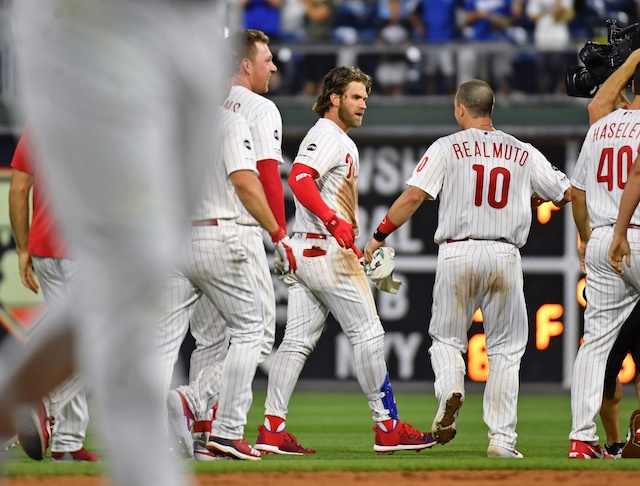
(580, 82)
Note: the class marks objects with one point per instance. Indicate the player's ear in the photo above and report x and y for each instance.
(334, 97)
(245, 65)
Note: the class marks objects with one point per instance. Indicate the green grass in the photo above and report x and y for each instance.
(339, 427)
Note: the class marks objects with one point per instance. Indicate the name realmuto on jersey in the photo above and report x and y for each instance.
(490, 149)
(232, 106)
(616, 130)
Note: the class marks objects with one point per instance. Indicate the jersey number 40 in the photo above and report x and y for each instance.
(623, 160)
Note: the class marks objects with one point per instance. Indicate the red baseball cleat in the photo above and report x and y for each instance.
(83, 455)
(403, 437)
(279, 443)
(238, 448)
(584, 450)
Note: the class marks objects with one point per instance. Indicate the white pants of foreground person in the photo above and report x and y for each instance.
(120, 97)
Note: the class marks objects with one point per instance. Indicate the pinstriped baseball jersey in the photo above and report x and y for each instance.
(329, 150)
(265, 123)
(216, 267)
(607, 153)
(219, 199)
(608, 150)
(486, 180)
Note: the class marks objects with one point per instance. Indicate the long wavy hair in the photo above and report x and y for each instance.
(336, 81)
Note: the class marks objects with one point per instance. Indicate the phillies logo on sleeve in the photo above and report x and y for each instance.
(351, 173)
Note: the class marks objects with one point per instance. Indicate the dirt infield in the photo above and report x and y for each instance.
(441, 478)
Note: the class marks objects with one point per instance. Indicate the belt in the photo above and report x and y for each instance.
(632, 226)
(205, 222)
(500, 240)
(313, 236)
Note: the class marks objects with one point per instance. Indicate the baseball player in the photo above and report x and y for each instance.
(217, 266)
(598, 183)
(120, 97)
(39, 249)
(330, 277)
(607, 153)
(485, 179)
(621, 244)
(628, 341)
(252, 61)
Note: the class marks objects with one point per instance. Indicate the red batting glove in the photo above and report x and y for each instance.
(340, 228)
(283, 247)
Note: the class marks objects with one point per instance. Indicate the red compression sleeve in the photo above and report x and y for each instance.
(302, 183)
(272, 185)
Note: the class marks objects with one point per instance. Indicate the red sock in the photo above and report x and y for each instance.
(202, 426)
(273, 423)
(388, 425)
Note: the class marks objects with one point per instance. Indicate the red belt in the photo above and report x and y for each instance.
(205, 222)
(634, 226)
(313, 236)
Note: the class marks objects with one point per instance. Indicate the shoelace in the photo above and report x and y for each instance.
(244, 442)
(292, 438)
(410, 430)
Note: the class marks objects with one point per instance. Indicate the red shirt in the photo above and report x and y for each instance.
(44, 236)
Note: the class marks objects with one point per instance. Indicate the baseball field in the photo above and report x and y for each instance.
(338, 425)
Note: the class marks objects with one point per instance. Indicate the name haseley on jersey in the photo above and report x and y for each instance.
(488, 149)
(617, 130)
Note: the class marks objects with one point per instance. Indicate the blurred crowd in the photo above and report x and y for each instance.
(516, 45)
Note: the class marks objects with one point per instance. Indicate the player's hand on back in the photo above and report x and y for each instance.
(582, 249)
(619, 248)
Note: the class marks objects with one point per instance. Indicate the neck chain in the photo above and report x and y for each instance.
(488, 125)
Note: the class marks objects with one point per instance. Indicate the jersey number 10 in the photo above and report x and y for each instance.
(498, 177)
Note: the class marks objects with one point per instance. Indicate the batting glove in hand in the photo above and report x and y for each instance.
(340, 228)
(284, 250)
(278, 265)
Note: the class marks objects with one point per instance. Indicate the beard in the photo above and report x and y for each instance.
(349, 119)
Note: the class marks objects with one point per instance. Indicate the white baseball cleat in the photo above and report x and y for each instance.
(444, 425)
(499, 452)
(8, 444)
(180, 424)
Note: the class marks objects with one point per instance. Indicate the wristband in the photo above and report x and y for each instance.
(385, 228)
(379, 235)
(278, 234)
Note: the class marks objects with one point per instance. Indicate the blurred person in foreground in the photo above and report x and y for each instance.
(120, 96)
